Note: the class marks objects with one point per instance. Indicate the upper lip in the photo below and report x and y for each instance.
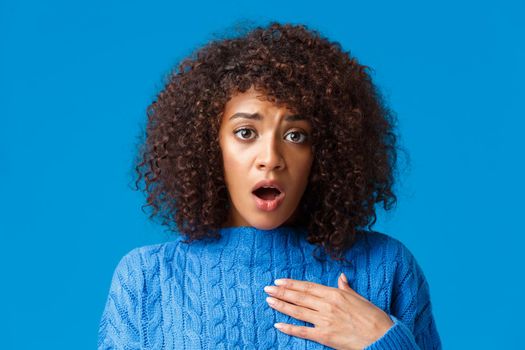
(268, 183)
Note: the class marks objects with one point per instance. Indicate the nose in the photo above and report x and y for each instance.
(270, 156)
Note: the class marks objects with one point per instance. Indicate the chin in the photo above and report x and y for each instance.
(268, 224)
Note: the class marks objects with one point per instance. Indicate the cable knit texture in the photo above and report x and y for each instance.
(209, 294)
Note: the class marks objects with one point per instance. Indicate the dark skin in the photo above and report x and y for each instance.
(273, 148)
(270, 146)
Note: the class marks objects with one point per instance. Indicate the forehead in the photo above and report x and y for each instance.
(252, 101)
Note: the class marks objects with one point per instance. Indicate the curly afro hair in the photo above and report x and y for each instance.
(353, 138)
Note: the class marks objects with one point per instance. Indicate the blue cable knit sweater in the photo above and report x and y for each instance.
(209, 294)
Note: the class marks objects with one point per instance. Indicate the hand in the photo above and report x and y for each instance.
(343, 319)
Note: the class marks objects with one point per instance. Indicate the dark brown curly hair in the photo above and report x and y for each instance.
(353, 140)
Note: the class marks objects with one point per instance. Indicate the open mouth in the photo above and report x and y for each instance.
(267, 193)
(268, 197)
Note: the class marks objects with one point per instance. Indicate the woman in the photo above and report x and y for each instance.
(267, 153)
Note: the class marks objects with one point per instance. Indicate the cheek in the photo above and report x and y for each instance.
(231, 163)
(230, 167)
(304, 166)
(302, 177)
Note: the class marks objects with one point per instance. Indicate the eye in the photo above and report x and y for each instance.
(296, 136)
(244, 132)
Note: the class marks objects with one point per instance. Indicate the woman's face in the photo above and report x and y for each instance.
(260, 141)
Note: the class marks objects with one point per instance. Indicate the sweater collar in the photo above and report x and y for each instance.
(246, 245)
(250, 232)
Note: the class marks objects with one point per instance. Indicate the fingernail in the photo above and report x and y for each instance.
(280, 282)
(278, 325)
(343, 277)
(270, 300)
(270, 289)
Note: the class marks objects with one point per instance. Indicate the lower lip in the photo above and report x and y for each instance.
(269, 204)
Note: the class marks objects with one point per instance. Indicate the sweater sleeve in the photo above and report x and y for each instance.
(414, 326)
(119, 326)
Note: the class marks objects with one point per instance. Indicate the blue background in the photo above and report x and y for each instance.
(75, 79)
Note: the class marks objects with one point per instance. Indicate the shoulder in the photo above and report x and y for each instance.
(147, 260)
(383, 252)
(408, 276)
(386, 248)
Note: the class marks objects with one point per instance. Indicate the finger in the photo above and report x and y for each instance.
(342, 283)
(307, 287)
(298, 331)
(297, 298)
(298, 312)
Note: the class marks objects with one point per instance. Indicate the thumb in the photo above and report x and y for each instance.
(342, 282)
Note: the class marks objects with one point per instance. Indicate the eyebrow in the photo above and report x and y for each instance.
(257, 116)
